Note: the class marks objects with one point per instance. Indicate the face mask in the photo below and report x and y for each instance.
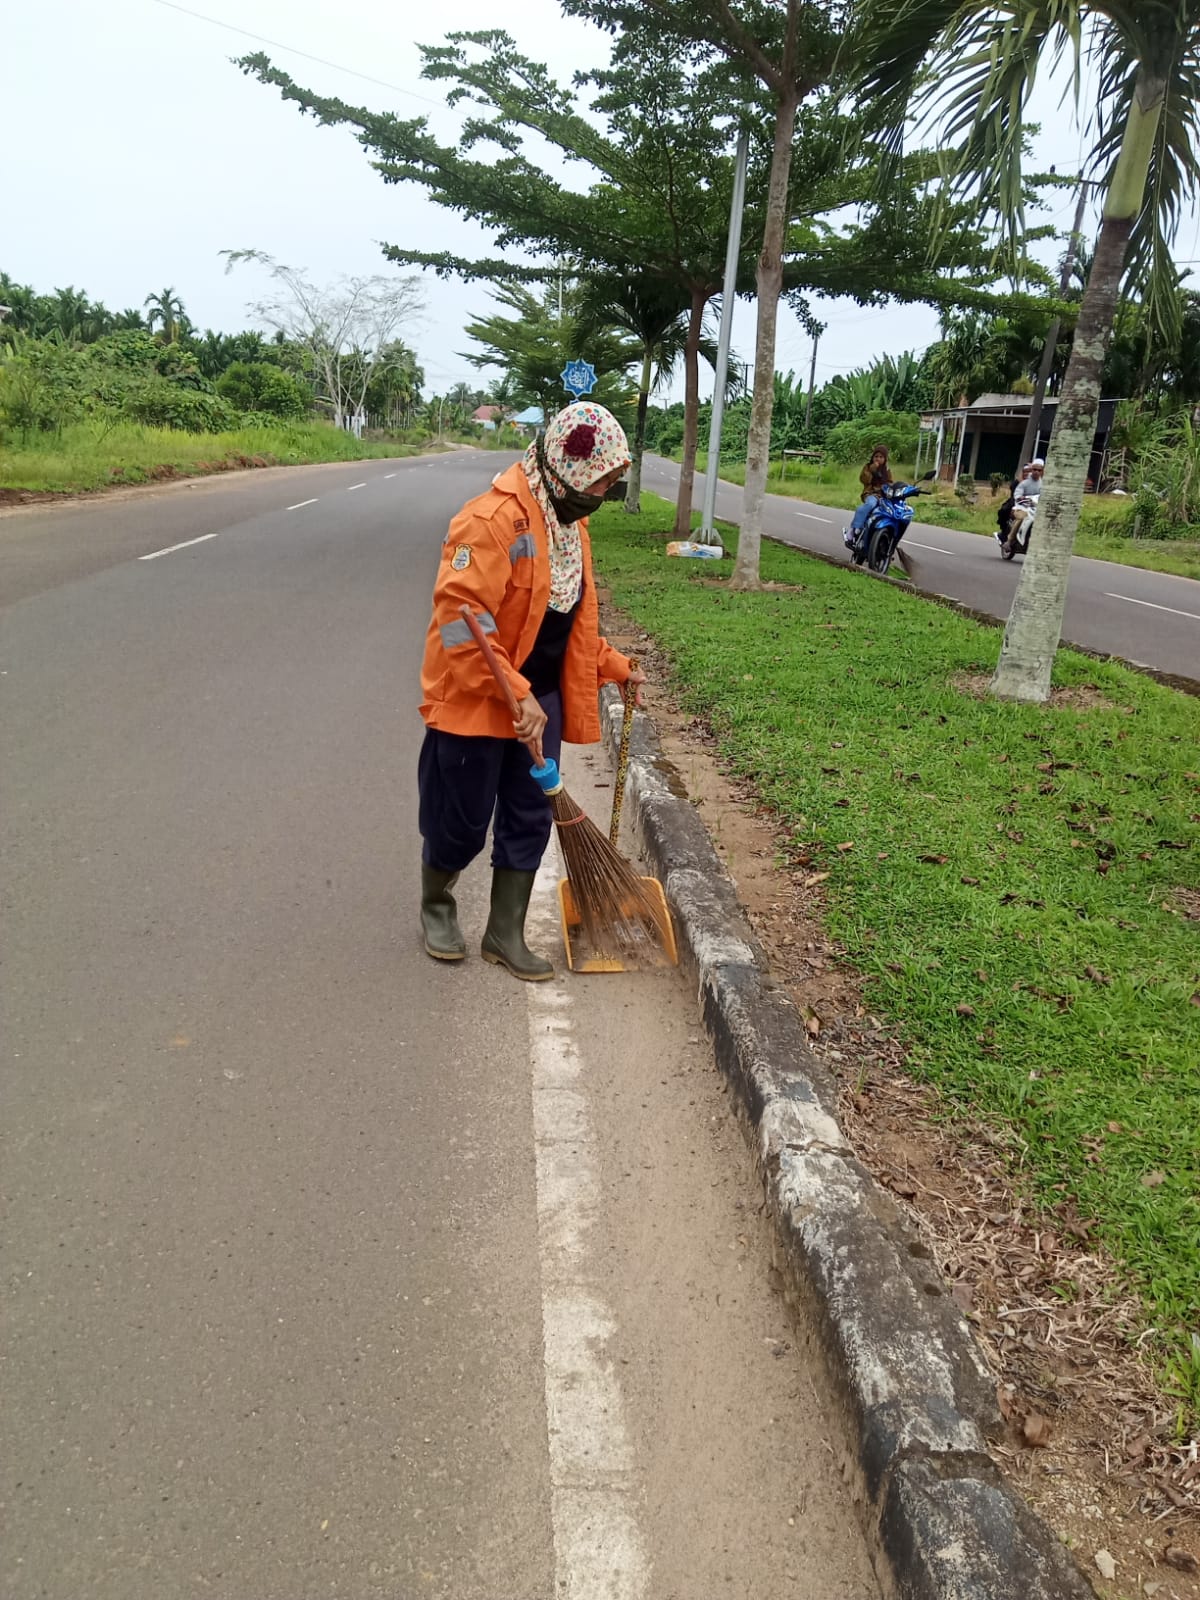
(573, 504)
(569, 504)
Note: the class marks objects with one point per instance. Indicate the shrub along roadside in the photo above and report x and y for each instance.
(1017, 880)
(93, 456)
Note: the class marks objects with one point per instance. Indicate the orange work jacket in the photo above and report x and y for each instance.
(496, 559)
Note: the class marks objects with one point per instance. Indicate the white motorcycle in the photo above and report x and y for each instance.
(1020, 529)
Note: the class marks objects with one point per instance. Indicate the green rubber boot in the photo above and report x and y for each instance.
(504, 942)
(439, 915)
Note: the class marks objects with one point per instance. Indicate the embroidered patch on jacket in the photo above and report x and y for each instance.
(461, 559)
(521, 525)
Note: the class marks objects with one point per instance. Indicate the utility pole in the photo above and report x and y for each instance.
(1034, 425)
(812, 378)
(728, 296)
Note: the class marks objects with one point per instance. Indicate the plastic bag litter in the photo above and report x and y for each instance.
(701, 552)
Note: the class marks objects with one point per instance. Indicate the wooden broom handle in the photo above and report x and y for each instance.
(489, 655)
(506, 688)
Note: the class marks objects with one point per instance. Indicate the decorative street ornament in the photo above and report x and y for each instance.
(579, 378)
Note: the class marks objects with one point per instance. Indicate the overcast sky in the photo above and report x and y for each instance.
(132, 152)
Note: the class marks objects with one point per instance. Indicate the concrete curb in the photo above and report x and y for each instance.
(920, 1399)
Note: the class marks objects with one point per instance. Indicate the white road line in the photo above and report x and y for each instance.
(594, 1492)
(829, 521)
(354, 486)
(1195, 616)
(154, 554)
(300, 503)
(937, 547)
(389, 474)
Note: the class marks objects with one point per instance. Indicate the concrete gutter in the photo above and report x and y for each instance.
(918, 1396)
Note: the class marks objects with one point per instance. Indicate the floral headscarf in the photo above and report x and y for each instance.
(582, 443)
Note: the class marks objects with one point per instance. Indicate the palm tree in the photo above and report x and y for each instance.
(165, 307)
(67, 310)
(655, 312)
(982, 59)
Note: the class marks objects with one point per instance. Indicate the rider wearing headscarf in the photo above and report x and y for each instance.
(520, 557)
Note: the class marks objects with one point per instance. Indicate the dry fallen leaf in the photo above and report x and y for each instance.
(1106, 1565)
(812, 1026)
(934, 860)
(1151, 1180)
(1035, 1430)
(1179, 1558)
(815, 877)
(849, 845)
(965, 1010)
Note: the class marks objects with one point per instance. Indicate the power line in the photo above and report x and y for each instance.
(292, 50)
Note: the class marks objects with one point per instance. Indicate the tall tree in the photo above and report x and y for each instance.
(658, 317)
(660, 175)
(346, 327)
(531, 340)
(788, 48)
(1146, 147)
(165, 308)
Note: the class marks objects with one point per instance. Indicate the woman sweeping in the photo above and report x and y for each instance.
(520, 557)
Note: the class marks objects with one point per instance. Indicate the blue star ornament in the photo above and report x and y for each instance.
(579, 378)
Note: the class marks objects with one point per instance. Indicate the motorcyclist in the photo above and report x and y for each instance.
(873, 477)
(1027, 485)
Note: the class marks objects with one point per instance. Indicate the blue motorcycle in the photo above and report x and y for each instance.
(877, 543)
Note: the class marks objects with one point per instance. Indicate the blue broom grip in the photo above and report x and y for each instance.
(546, 776)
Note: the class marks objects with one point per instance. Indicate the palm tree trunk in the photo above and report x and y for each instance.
(691, 415)
(1035, 621)
(770, 287)
(633, 494)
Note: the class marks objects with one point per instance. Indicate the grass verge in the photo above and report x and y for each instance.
(94, 457)
(1019, 885)
(832, 485)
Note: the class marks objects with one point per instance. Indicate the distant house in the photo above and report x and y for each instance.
(488, 416)
(985, 437)
(529, 419)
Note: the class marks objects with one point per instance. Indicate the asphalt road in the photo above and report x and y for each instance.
(1149, 618)
(330, 1271)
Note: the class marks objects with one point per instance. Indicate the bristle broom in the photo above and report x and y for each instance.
(618, 915)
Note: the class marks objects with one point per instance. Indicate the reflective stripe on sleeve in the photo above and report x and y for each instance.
(522, 546)
(457, 632)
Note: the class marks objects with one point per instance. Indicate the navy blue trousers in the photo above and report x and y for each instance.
(468, 781)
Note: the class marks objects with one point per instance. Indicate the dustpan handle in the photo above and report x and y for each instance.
(630, 695)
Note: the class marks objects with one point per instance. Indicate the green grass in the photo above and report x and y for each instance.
(90, 456)
(832, 485)
(1023, 862)
(1180, 556)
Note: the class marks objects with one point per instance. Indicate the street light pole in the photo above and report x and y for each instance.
(728, 296)
(812, 381)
